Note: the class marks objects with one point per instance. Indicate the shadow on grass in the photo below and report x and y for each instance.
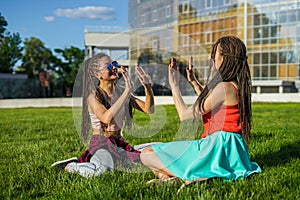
(284, 155)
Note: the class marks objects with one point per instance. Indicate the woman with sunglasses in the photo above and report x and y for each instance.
(106, 106)
(224, 105)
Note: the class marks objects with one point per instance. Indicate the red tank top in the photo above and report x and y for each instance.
(222, 118)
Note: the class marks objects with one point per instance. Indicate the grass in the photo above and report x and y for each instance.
(33, 138)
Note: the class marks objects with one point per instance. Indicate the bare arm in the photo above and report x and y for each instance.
(221, 94)
(106, 115)
(146, 106)
(184, 112)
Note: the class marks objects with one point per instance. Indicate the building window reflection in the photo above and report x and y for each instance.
(270, 29)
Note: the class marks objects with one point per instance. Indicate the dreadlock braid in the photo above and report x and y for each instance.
(233, 68)
(90, 83)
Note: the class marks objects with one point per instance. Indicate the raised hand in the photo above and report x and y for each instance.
(189, 71)
(174, 74)
(144, 78)
(128, 81)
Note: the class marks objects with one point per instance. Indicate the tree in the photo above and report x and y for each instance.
(68, 65)
(10, 49)
(3, 24)
(36, 57)
(186, 11)
(10, 52)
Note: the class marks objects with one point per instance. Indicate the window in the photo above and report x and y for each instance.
(168, 11)
(185, 7)
(273, 72)
(265, 58)
(143, 19)
(256, 73)
(273, 58)
(208, 38)
(256, 58)
(155, 45)
(185, 40)
(167, 43)
(256, 19)
(264, 72)
(154, 15)
(208, 3)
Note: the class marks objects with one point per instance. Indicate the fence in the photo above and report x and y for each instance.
(29, 88)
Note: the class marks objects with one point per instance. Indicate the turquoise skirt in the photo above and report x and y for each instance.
(221, 154)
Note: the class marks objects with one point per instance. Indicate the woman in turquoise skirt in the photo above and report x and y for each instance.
(224, 105)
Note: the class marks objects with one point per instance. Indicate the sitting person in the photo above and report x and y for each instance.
(106, 107)
(224, 105)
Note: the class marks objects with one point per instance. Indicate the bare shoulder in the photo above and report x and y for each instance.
(223, 87)
(91, 98)
(231, 93)
(229, 85)
(93, 103)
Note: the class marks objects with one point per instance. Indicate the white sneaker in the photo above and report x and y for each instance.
(63, 163)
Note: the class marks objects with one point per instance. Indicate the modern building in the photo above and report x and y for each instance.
(111, 40)
(270, 29)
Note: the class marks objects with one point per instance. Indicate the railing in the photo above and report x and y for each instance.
(105, 29)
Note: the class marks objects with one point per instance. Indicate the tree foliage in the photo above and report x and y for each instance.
(10, 49)
(30, 56)
(67, 66)
(36, 57)
(3, 24)
(10, 52)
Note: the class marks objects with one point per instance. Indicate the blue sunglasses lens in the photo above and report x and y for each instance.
(109, 66)
(115, 63)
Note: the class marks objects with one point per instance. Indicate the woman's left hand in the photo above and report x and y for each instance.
(189, 71)
(144, 78)
(128, 82)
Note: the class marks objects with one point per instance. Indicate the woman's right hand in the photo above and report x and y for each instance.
(144, 78)
(174, 74)
(189, 71)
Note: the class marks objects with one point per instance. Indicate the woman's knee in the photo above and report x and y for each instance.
(146, 155)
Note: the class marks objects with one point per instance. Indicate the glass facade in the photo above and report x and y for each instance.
(269, 28)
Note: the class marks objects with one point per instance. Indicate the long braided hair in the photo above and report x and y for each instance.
(91, 85)
(233, 68)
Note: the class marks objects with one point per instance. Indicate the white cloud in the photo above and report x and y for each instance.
(88, 12)
(49, 18)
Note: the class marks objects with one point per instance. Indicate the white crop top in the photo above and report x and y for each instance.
(96, 124)
(115, 125)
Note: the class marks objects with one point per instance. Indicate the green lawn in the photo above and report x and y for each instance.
(33, 138)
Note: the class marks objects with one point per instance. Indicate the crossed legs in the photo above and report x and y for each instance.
(149, 159)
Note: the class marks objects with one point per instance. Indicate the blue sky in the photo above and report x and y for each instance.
(61, 23)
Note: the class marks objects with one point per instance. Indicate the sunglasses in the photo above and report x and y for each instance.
(113, 64)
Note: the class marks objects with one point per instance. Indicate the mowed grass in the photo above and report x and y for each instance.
(33, 138)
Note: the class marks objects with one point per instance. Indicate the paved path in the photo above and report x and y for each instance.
(159, 100)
